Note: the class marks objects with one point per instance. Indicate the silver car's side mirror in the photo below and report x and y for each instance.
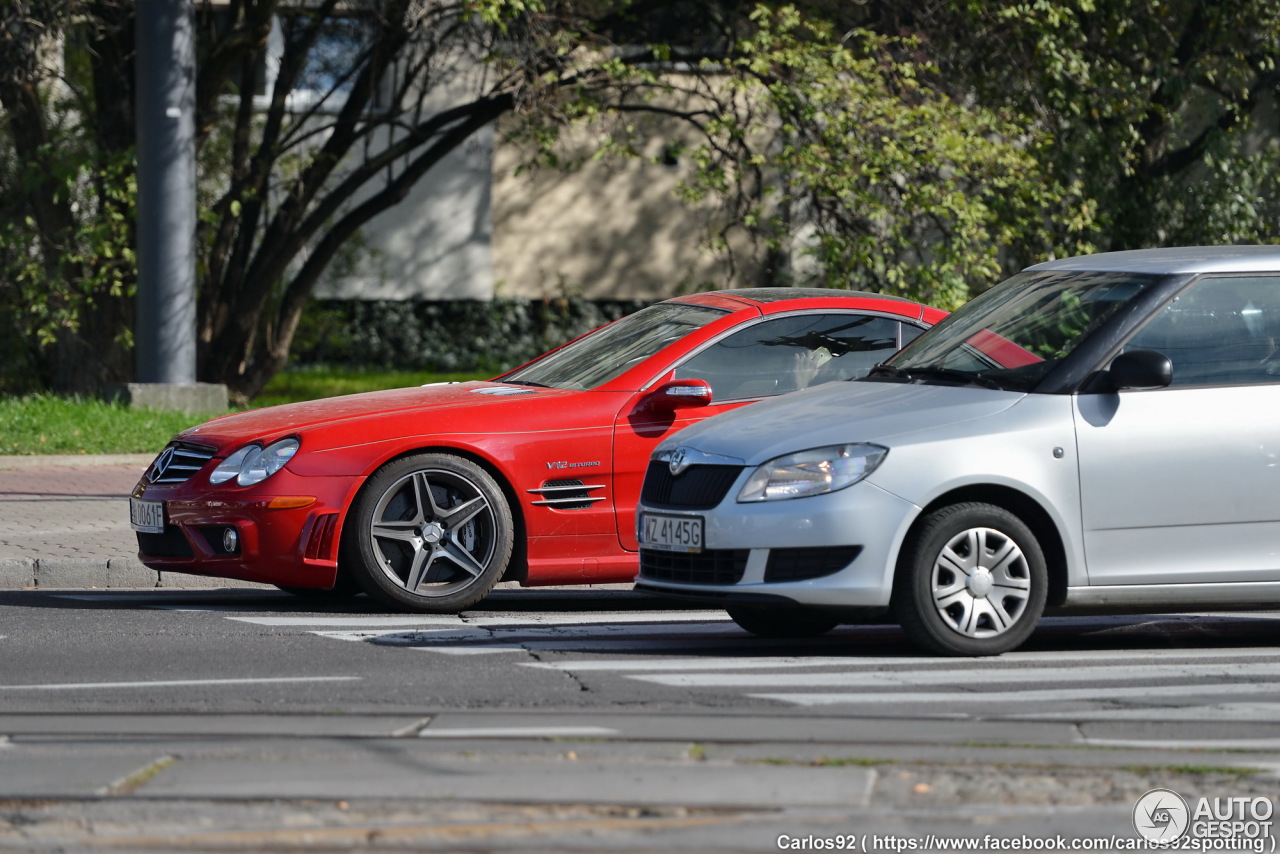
(1140, 369)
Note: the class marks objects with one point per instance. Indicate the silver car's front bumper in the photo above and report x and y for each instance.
(758, 537)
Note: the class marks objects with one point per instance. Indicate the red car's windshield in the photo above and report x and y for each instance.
(597, 358)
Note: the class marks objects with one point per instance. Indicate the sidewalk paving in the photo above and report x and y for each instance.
(64, 522)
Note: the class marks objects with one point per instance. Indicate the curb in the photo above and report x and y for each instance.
(115, 573)
(12, 462)
(120, 571)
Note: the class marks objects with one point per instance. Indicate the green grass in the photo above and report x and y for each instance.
(48, 424)
(51, 424)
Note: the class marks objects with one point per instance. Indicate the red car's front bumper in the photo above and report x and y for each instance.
(283, 531)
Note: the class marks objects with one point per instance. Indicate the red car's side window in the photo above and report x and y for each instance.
(786, 354)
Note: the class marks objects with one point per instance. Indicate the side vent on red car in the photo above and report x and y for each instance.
(567, 494)
(320, 542)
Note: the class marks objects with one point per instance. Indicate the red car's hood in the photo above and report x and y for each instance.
(274, 422)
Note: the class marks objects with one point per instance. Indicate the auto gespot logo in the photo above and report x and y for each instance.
(1162, 815)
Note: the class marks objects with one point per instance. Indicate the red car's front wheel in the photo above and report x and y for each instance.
(429, 533)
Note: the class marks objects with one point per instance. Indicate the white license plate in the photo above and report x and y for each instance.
(146, 516)
(672, 533)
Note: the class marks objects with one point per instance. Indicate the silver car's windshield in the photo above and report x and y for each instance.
(603, 355)
(1013, 335)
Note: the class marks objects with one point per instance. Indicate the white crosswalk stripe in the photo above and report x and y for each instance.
(715, 664)
(511, 635)
(1184, 691)
(1119, 684)
(595, 619)
(1151, 685)
(986, 676)
(701, 654)
(1054, 695)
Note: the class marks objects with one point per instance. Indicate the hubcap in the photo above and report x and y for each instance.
(980, 583)
(433, 532)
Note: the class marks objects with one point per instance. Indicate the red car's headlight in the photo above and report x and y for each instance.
(254, 464)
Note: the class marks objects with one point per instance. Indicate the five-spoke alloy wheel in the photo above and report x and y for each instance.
(429, 533)
(971, 581)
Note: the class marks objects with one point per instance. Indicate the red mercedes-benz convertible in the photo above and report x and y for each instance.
(424, 498)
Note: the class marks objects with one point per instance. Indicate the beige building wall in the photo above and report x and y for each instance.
(480, 225)
(608, 229)
(436, 244)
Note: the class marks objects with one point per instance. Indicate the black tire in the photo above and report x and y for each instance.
(782, 621)
(430, 533)
(971, 581)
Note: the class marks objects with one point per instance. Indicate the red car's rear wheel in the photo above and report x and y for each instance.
(429, 533)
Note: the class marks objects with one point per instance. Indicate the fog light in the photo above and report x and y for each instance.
(230, 541)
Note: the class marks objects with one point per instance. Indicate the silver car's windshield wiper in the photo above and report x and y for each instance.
(919, 374)
(964, 377)
(883, 370)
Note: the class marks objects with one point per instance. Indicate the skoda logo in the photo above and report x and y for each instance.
(677, 463)
(161, 464)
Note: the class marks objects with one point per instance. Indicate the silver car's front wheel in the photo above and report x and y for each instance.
(429, 533)
(980, 583)
(972, 581)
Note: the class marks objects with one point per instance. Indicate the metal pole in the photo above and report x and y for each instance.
(166, 301)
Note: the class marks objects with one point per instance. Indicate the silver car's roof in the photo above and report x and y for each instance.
(1182, 259)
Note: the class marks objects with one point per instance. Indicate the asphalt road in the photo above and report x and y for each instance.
(155, 718)
(581, 720)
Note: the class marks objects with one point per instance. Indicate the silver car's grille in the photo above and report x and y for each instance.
(714, 566)
(178, 462)
(699, 487)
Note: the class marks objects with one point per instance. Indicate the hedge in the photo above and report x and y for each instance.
(454, 335)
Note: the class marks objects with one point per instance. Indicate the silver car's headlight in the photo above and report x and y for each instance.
(254, 463)
(812, 472)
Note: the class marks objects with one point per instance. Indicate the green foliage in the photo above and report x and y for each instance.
(1153, 107)
(50, 283)
(1237, 201)
(925, 148)
(66, 205)
(462, 335)
(501, 13)
(61, 272)
(904, 189)
(840, 154)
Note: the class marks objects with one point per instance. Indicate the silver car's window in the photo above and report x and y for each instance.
(1013, 335)
(789, 353)
(1220, 330)
(603, 355)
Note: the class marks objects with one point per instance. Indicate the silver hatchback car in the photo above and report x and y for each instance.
(1100, 431)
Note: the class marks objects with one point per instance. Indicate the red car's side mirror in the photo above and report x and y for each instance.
(679, 394)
